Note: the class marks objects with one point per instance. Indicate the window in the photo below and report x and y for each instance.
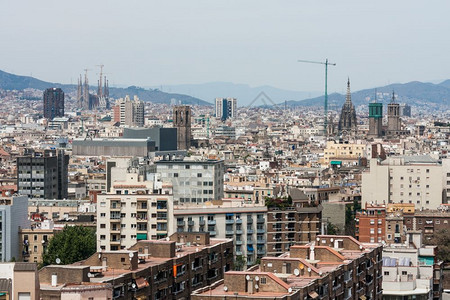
(263, 280)
(175, 174)
(404, 273)
(199, 175)
(372, 221)
(102, 225)
(386, 273)
(102, 237)
(372, 231)
(102, 215)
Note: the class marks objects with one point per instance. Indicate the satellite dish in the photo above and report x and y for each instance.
(256, 286)
(247, 277)
(131, 254)
(320, 273)
(58, 261)
(257, 278)
(290, 290)
(134, 285)
(360, 247)
(99, 255)
(331, 240)
(90, 275)
(309, 270)
(317, 239)
(225, 288)
(312, 248)
(296, 272)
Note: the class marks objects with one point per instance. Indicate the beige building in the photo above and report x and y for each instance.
(349, 153)
(404, 179)
(34, 242)
(131, 112)
(135, 209)
(19, 281)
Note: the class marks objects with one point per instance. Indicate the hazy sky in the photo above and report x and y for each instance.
(254, 42)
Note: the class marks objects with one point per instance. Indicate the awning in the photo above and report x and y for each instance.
(141, 283)
(250, 248)
(362, 297)
(141, 236)
(336, 162)
(313, 294)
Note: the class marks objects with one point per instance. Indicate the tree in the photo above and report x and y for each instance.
(239, 262)
(332, 229)
(72, 244)
(441, 238)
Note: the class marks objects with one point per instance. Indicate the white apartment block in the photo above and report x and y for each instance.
(135, 209)
(246, 224)
(193, 181)
(405, 179)
(131, 112)
(226, 108)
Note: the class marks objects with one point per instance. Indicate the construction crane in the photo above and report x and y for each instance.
(326, 63)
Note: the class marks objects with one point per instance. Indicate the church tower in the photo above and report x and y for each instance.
(347, 120)
(182, 121)
(394, 123)
(375, 118)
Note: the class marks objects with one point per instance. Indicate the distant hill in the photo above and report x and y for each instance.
(243, 92)
(16, 82)
(413, 93)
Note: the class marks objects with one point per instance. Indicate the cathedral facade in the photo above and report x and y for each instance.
(347, 120)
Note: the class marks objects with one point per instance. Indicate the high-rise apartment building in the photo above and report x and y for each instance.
(43, 174)
(136, 208)
(129, 112)
(245, 224)
(53, 103)
(182, 122)
(415, 179)
(371, 224)
(194, 181)
(13, 216)
(226, 108)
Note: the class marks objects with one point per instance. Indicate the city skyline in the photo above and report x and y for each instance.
(161, 44)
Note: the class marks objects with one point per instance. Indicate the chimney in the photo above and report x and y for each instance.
(250, 286)
(54, 279)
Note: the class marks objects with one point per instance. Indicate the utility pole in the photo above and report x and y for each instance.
(326, 63)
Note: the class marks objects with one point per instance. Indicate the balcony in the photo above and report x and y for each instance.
(115, 229)
(239, 232)
(238, 221)
(260, 231)
(228, 222)
(261, 252)
(181, 223)
(261, 241)
(201, 222)
(250, 231)
(238, 252)
(212, 233)
(249, 242)
(260, 220)
(238, 242)
(211, 222)
(191, 223)
(249, 221)
(229, 232)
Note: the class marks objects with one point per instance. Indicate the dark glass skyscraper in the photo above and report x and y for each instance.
(53, 103)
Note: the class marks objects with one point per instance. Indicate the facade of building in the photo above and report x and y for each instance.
(113, 147)
(344, 152)
(297, 223)
(375, 119)
(347, 120)
(428, 222)
(171, 268)
(19, 281)
(165, 138)
(182, 122)
(13, 216)
(43, 174)
(371, 224)
(33, 242)
(226, 108)
(194, 181)
(244, 224)
(404, 179)
(130, 112)
(331, 267)
(53, 103)
(411, 271)
(135, 209)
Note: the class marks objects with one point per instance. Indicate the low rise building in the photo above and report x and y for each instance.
(19, 281)
(331, 267)
(166, 269)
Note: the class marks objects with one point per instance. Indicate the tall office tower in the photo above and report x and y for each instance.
(43, 174)
(375, 119)
(182, 122)
(129, 112)
(347, 121)
(394, 123)
(13, 215)
(53, 103)
(226, 108)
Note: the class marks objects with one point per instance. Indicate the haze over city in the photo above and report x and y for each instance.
(150, 43)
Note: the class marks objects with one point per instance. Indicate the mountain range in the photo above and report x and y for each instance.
(16, 82)
(413, 93)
